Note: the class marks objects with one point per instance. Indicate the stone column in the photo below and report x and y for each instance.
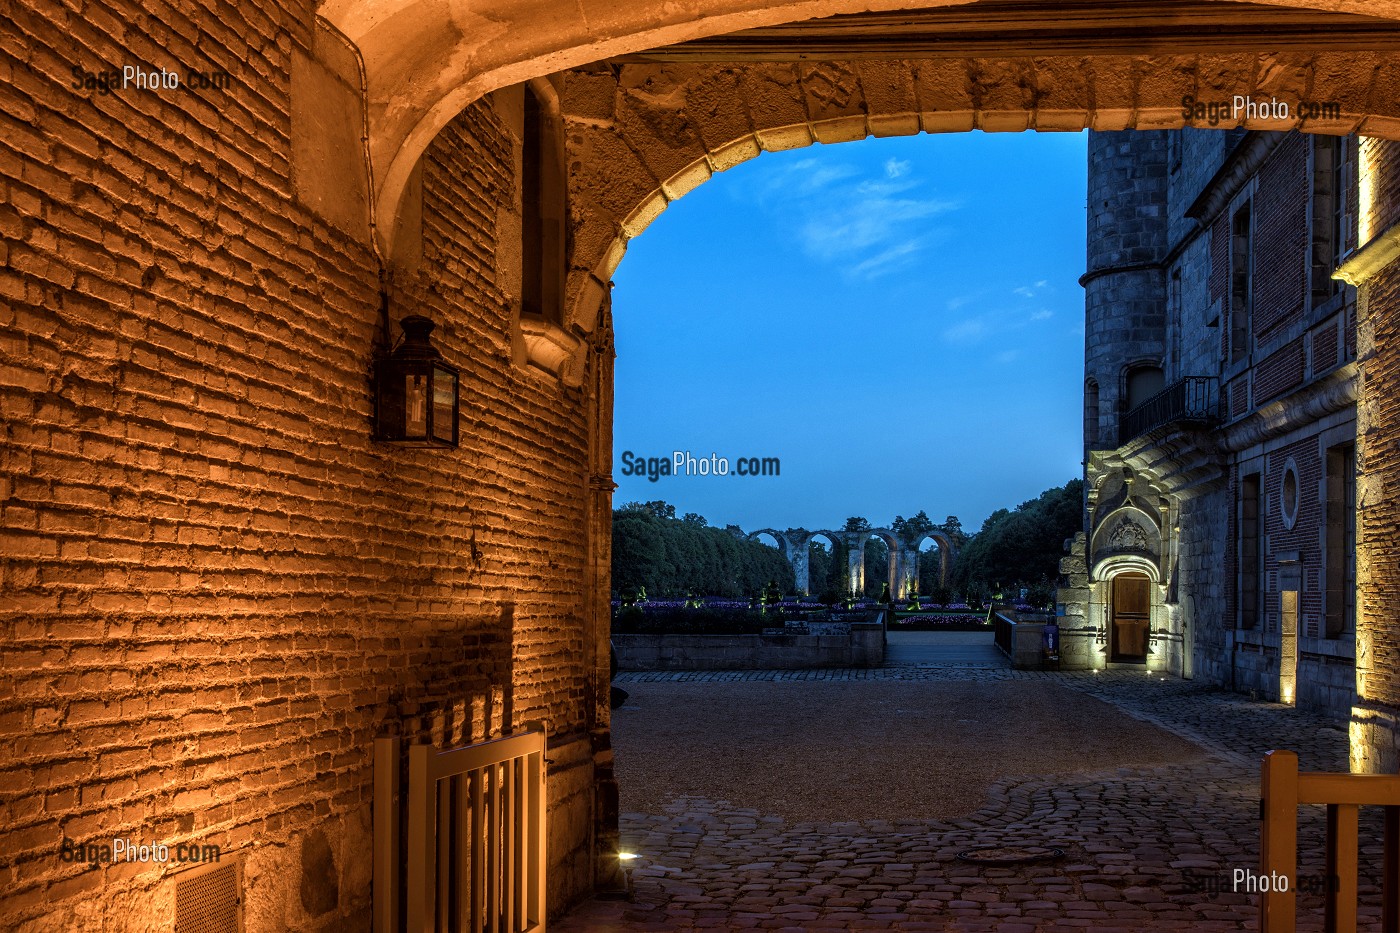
(798, 557)
(607, 871)
(908, 571)
(1375, 271)
(855, 563)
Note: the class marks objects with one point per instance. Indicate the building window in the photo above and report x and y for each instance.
(1241, 281)
(1288, 500)
(1091, 413)
(542, 212)
(1340, 604)
(1140, 383)
(1250, 553)
(1332, 178)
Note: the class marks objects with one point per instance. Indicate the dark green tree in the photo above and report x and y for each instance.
(683, 558)
(1021, 547)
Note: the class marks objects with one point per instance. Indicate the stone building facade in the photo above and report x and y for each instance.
(1220, 412)
(217, 589)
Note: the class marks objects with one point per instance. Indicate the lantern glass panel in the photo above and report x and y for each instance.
(415, 416)
(444, 405)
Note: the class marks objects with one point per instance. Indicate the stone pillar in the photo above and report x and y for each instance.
(1375, 271)
(908, 571)
(855, 563)
(798, 556)
(607, 871)
(1078, 634)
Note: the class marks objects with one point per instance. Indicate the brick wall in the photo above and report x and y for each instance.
(1304, 538)
(216, 589)
(1281, 236)
(1279, 371)
(1220, 276)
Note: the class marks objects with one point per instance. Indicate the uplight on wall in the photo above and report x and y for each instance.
(415, 391)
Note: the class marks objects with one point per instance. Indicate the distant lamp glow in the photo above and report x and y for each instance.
(415, 391)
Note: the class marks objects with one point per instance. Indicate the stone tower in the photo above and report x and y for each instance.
(1124, 287)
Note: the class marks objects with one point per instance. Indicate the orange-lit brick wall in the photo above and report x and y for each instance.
(217, 591)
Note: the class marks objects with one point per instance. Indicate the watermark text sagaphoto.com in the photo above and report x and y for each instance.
(1245, 881)
(684, 463)
(146, 79)
(116, 850)
(1242, 107)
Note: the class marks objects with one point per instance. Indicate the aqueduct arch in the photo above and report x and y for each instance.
(903, 560)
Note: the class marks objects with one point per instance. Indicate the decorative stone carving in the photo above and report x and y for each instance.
(1127, 535)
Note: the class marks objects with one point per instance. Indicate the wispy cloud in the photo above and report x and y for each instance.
(994, 313)
(967, 330)
(866, 223)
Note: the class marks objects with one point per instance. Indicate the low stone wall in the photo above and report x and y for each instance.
(1020, 638)
(862, 646)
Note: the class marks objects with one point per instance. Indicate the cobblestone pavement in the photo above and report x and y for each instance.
(1144, 848)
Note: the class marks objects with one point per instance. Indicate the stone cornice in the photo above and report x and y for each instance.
(1333, 392)
(1371, 258)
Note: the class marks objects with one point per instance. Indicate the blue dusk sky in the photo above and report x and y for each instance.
(898, 320)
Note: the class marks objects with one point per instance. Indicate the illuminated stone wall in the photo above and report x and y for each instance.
(1376, 719)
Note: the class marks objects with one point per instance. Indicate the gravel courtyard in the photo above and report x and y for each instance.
(841, 800)
(859, 750)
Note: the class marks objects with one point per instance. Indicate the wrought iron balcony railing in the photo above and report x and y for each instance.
(1193, 400)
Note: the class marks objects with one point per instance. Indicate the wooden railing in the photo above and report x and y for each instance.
(1282, 790)
(475, 852)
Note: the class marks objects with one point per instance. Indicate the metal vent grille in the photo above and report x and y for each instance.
(208, 900)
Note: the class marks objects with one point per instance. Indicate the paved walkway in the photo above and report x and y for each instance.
(1145, 847)
(943, 649)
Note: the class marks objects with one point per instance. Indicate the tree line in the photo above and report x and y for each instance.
(1015, 549)
(665, 556)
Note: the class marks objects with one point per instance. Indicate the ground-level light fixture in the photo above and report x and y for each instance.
(415, 391)
(628, 862)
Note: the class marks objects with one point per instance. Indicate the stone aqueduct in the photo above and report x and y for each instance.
(903, 561)
(219, 590)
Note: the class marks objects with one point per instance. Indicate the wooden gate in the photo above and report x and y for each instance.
(1282, 790)
(474, 857)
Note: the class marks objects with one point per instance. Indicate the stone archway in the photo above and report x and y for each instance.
(946, 552)
(424, 63)
(643, 135)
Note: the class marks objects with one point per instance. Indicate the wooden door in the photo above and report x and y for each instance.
(1132, 617)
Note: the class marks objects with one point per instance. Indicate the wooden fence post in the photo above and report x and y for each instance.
(1278, 850)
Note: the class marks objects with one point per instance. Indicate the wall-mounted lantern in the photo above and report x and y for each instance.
(415, 391)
